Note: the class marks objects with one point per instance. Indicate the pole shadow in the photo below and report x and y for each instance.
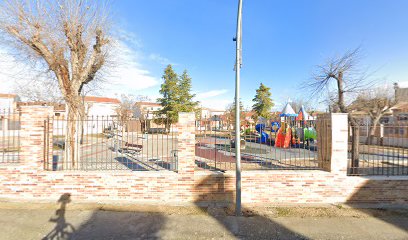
(214, 194)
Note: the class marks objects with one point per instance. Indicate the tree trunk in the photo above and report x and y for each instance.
(74, 132)
(355, 142)
(373, 127)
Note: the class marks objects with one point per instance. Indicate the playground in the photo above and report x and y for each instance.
(286, 143)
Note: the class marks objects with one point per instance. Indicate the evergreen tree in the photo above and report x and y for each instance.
(169, 90)
(186, 98)
(263, 102)
(176, 98)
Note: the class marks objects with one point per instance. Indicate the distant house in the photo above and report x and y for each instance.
(210, 119)
(146, 110)
(101, 106)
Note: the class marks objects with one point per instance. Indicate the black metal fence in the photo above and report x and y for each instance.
(9, 136)
(379, 150)
(112, 143)
(292, 146)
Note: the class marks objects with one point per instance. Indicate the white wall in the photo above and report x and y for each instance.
(101, 109)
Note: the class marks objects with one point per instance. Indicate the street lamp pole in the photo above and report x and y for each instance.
(238, 63)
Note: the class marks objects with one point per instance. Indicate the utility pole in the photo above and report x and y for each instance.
(238, 41)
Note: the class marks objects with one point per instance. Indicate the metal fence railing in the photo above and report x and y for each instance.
(292, 146)
(9, 136)
(111, 143)
(380, 150)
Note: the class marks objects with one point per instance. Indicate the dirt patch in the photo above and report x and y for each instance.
(270, 212)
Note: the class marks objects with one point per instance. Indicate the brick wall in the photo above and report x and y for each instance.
(28, 180)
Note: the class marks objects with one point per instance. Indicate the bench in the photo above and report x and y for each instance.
(131, 148)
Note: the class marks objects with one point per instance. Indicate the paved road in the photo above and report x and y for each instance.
(105, 154)
(181, 223)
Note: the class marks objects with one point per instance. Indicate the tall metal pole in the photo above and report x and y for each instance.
(238, 39)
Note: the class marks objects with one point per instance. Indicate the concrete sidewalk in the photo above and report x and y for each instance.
(65, 222)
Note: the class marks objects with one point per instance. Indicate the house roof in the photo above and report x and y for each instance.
(7, 95)
(100, 99)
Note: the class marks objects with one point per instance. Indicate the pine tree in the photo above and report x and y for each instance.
(169, 90)
(176, 98)
(187, 104)
(263, 102)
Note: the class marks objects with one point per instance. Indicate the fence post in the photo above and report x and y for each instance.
(186, 142)
(186, 154)
(333, 142)
(32, 136)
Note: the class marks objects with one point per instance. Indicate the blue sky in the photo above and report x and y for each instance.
(283, 41)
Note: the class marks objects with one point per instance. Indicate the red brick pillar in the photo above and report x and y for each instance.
(33, 136)
(186, 154)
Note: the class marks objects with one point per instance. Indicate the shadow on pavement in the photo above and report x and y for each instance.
(106, 224)
(385, 191)
(131, 164)
(62, 229)
(213, 193)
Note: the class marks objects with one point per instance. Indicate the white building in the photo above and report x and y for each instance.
(207, 113)
(146, 110)
(101, 106)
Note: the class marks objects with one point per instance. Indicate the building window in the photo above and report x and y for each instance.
(402, 117)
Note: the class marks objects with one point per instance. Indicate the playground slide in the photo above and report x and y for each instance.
(283, 140)
(260, 129)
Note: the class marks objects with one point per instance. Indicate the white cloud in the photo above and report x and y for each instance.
(128, 37)
(210, 94)
(210, 99)
(216, 104)
(160, 59)
(128, 74)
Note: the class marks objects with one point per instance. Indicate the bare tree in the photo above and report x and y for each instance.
(297, 104)
(70, 39)
(375, 103)
(38, 91)
(342, 75)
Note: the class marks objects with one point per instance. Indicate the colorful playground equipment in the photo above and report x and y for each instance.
(309, 132)
(260, 128)
(284, 134)
(296, 128)
(292, 130)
